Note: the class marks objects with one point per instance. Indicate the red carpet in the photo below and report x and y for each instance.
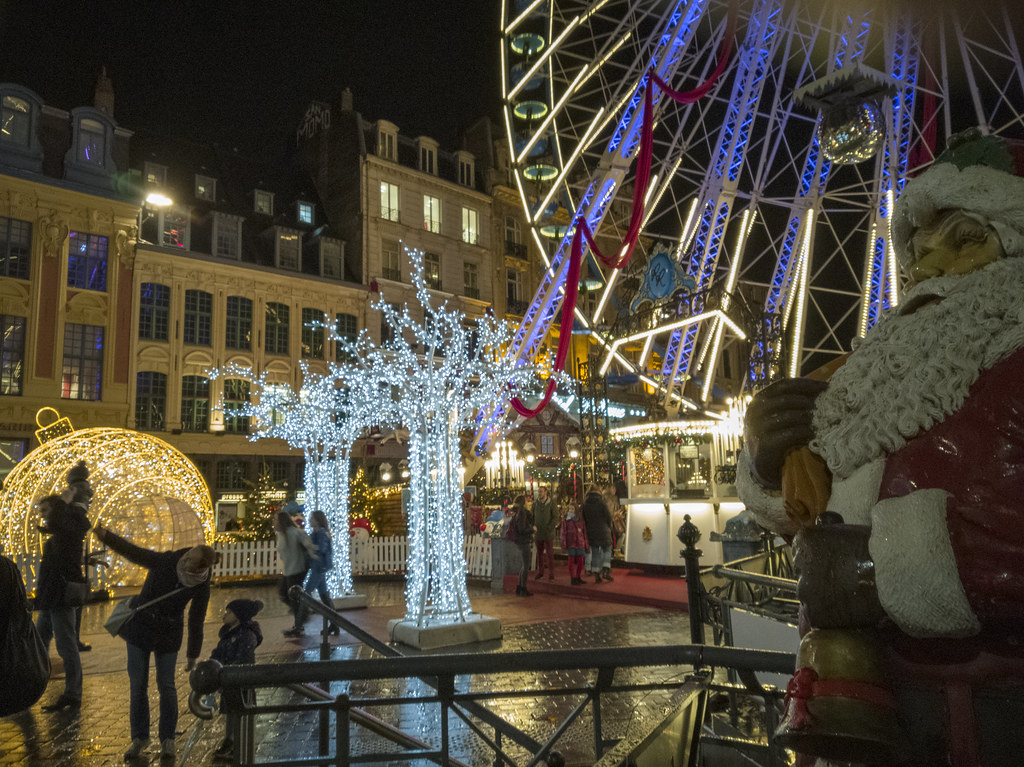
(632, 587)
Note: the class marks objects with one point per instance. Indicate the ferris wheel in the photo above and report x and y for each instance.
(765, 223)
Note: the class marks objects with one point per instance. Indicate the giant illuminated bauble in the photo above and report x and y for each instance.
(851, 133)
(143, 489)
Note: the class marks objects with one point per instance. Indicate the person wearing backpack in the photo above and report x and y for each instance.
(322, 563)
(522, 523)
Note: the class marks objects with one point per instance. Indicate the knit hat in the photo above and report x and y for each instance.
(245, 609)
(982, 176)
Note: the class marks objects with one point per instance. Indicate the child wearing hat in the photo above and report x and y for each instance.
(239, 637)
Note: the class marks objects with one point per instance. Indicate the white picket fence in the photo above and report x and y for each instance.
(258, 559)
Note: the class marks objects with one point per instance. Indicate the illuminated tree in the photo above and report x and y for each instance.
(435, 377)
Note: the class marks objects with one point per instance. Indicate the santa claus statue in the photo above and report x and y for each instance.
(900, 474)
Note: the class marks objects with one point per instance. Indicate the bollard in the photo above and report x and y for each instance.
(689, 535)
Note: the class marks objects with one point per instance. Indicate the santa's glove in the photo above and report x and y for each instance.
(778, 421)
(835, 574)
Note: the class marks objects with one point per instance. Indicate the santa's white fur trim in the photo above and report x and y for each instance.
(911, 372)
(915, 568)
(855, 496)
(765, 507)
(995, 194)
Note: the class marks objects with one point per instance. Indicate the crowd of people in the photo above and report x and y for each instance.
(588, 533)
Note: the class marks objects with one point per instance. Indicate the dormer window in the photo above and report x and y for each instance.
(264, 202)
(15, 120)
(387, 142)
(467, 168)
(428, 155)
(92, 142)
(304, 212)
(206, 188)
(288, 249)
(156, 175)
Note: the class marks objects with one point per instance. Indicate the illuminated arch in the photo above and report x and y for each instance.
(143, 489)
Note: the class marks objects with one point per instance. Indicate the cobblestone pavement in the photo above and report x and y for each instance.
(98, 733)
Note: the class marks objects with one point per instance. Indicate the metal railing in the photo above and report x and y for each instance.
(462, 684)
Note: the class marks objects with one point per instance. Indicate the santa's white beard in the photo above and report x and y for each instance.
(912, 371)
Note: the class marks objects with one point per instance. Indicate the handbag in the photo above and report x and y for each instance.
(124, 612)
(76, 593)
(24, 658)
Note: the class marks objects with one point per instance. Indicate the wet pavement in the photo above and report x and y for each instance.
(98, 733)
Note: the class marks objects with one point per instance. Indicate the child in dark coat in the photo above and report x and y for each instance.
(239, 637)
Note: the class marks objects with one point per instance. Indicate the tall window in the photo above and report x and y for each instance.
(276, 331)
(547, 444)
(513, 230)
(386, 145)
(236, 397)
(470, 226)
(229, 237)
(431, 214)
(391, 264)
(12, 353)
(427, 160)
(346, 326)
(288, 250)
(150, 400)
(332, 261)
(238, 328)
(275, 394)
(515, 285)
(388, 201)
(195, 403)
(432, 270)
(15, 248)
(470, 279)
(198, 318)
(82, 371)
(313, 333)
(87, 261)
(15, 118)
(154, 311)
(304, 212)
(91, 142)
(232, 475)
(465, 172)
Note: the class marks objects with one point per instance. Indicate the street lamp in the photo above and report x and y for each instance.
(385, 472)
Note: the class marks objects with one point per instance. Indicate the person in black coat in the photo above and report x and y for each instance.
(598, 520)
(159, 629)
(66, 527)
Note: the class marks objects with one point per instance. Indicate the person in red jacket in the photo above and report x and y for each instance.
(574, 544)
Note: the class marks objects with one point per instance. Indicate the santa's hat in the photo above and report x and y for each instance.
(980, 175)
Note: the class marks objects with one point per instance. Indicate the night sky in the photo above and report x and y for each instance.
(242, 73)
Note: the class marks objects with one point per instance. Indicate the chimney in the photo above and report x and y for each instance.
(103, 99)
(346, 100)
